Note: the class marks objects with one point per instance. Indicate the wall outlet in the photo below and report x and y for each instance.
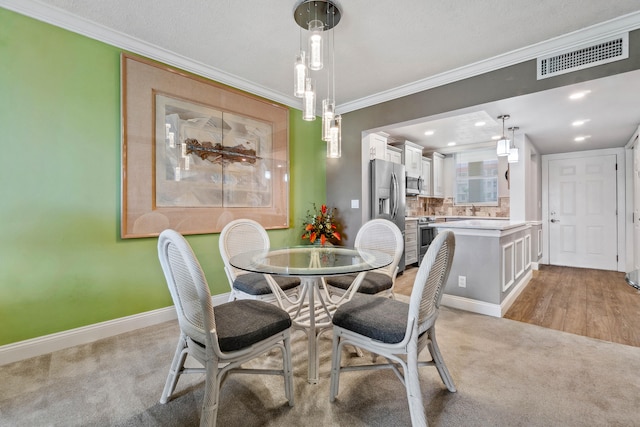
(462, 281)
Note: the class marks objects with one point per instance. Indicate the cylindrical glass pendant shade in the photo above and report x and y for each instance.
(315, 44)
(334, 144)
(328, 108)
(513, 155)
(309, 101)
(503, 147)
(300, 75)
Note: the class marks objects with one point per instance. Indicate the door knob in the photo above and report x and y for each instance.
(555, 220)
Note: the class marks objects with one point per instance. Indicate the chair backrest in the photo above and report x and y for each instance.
(188, 286)
(240, 235)
(431, 280)
(382, 235)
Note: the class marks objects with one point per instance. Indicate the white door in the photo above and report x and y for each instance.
(582, 212)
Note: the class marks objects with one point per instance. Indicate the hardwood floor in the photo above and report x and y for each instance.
(593, 303)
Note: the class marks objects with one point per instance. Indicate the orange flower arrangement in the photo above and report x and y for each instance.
(320, 224)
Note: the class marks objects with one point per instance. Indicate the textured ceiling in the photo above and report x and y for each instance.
(381, 47)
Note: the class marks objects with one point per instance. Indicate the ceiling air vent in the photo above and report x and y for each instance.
(605, 50)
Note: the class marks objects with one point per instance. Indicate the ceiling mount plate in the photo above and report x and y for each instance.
(325, 11)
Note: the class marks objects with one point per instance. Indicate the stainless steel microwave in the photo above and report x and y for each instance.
(414, 185)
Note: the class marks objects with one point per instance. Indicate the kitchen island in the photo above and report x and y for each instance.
(491, 266)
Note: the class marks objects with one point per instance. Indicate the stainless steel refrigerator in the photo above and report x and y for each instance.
(388, 194)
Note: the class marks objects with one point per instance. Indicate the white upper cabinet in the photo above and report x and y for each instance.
(411, 157)
(426, 177)
(437, 175)
(394, 154)
(377, 145)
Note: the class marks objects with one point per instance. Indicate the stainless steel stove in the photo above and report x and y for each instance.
(426, 233)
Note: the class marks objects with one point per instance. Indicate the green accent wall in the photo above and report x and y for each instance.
(62, 262)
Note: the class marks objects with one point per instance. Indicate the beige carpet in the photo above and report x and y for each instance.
(507, 374)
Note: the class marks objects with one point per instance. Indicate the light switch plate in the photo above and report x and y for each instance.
(355, 204)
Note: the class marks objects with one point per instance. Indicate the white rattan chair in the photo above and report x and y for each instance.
(399, 331)
(220, 340)
(382, 235)
(243, 235)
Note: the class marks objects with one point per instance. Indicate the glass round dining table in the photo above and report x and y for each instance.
(313, 308)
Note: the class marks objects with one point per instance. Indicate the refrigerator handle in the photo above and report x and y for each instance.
(394, 182)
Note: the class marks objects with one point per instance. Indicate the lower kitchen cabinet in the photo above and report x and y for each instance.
(410, 241)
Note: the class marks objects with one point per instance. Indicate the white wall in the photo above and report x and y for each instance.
(525, 182)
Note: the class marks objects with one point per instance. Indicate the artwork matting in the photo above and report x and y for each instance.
(197, 154)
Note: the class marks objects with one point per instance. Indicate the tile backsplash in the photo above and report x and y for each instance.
(421, 206)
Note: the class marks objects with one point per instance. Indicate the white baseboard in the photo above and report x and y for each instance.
(487, 308)
(46, 344)
(472, 305)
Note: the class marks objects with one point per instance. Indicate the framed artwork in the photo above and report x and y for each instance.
(196, 154)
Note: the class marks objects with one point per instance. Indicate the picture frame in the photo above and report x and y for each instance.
(197, 154)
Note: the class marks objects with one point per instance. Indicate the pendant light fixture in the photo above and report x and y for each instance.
(309, 100)
(316, 44)
(334, 144)
(504, 145)
(318, 17)
(513, 150)
(300, 75)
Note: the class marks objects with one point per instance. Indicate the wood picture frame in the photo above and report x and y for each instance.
(197, 154)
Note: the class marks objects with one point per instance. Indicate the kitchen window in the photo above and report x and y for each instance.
(476, 177)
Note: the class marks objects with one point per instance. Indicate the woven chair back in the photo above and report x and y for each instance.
(188, 286)
(382, 235)
(431, 279)
(241, 235)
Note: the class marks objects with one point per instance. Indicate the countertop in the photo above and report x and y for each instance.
(481, 224)
(465, 217)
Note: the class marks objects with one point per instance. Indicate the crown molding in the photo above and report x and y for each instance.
(567, 41)
(67, 21)
(63, 19)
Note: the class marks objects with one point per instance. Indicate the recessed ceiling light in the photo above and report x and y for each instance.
(579, 95)
(480, 124)
(429, 132)
(496, 137)
(581, 138)
(451, 144)
(579, 122)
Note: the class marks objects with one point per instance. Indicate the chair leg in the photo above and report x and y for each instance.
(288, 369)
(358, 351)
(412, 385)
(175, 370)
(432, 345)
(209, 414)
(336, 356)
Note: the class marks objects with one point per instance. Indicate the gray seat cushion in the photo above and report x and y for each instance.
(243, 323)
(376, 317)
(256, 284)
(372, 283)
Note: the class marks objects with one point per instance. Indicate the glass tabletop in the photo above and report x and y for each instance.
(311, 260)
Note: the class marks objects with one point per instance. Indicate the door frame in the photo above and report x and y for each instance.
(632, 145)
(622, 221)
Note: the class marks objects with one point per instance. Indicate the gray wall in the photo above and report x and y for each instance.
(344, 181)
